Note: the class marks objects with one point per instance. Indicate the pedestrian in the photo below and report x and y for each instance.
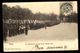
(4, 31)
(10, 30)
(26, 28)
(45, 26)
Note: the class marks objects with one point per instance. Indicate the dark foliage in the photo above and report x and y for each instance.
(14, 20)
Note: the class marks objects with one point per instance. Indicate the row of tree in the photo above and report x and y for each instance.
(19, 13)
(69, 18)
(24, 13)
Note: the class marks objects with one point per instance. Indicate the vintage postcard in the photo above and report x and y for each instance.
(40, 26)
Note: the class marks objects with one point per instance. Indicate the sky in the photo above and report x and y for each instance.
(43, 7)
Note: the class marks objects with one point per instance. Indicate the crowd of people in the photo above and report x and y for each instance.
(12, 29)
(16, 28)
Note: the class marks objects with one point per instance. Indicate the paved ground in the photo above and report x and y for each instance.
(64, 34)
(63, 31)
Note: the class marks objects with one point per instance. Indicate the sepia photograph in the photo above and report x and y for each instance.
(40, 26)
